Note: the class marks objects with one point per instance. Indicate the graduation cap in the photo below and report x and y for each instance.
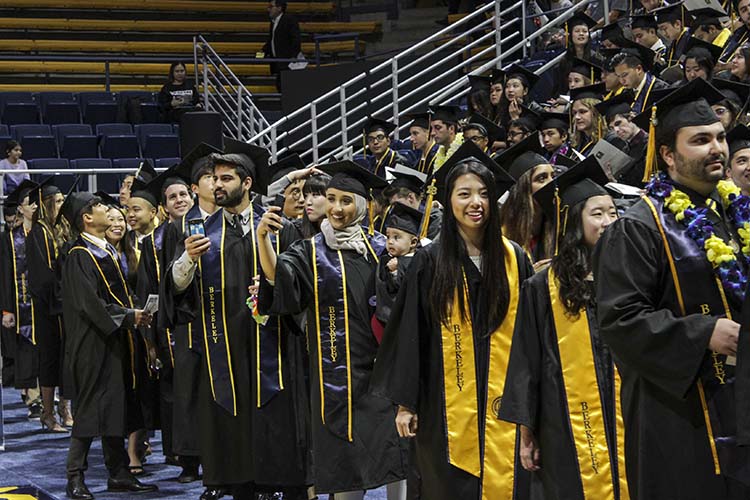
(643, 54)
(23, 190)
(587, 68)
(142, 190)
(707, 17)
(563, 163)
(519, 159)
(687, 106)
(197, 162)
(609, 54)
(527, 77)
(693, 6)
(253, 160)
(406, 177)
(734, 91)
(579, 183)
(612, 32)
(579, 19)
(479, 82)
(350, 177)
(616, 105)
(738, 138)
(497, 76)
(75, 202)
(405, 218)
(284, 166)
(107, 199)
(696, 48)
(421, 120)
(43, 190)
(595, 91)
(670, 13)
(644, 22)
(446, 114)
(494, 132)
(145, 171)
(530, 117)
(554, 120)
(374, 124)
(469, 151)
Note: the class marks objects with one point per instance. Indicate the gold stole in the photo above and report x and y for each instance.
(584, 402)
(462, 414)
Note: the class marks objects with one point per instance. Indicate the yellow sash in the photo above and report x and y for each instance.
(583, 398)
(462, 414)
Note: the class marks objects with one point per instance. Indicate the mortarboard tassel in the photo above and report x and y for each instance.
(557, 219)
(431, 191)
(370, 215)
(364, 144)
(651, 168)
(566, 34)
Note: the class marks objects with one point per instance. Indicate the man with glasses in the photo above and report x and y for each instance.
(377, 139)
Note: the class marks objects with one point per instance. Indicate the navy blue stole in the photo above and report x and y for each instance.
(157, 243)
(332, 333)
(24, 306)
(193, 213)
(738, 38)
(689, 265)
(642, 97)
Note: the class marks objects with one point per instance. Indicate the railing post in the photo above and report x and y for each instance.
(106, 76)
(496, 24)
(2, 193)
(314, 130)
(606, 11)
(342, 108)
(252, 122)
(195, 59)
(239, 114)
(394, 91)
(205, 79)
(273, 144)
(523, 27)
(92, 183)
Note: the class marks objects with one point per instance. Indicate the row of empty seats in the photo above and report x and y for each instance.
(314, 8)
(52, 108)
(110, 140)
(105, 182)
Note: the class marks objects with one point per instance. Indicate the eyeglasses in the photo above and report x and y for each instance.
(376, 138)
(477, 138)
(514, 134)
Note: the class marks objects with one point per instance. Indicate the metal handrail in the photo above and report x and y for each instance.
(225, 93)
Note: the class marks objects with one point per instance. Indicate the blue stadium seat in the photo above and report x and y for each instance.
(104, 182)
(64, 182)
(35, 147)
(18, 132)
(166, 162)
(104, 129)
(150, 112)
(146, 129)
(61, 112)
(161, 146)
(8, 97)
(119, 146)
(100, 112)
(76, 141)
(44, 98)
(20, 113)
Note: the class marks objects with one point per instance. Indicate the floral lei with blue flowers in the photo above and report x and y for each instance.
(719, 254)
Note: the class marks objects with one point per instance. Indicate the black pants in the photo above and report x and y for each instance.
(115, 456)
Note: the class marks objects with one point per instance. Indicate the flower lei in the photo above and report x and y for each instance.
(721, 256)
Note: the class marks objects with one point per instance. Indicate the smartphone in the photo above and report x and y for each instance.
(195, 226)
(279, 201)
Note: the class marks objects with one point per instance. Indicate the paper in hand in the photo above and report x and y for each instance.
(152, 304)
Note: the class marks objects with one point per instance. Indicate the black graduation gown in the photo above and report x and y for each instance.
(7, 335)
(41, 256)
(388, 285)
(409, 372)
(535, 394)
(376, 456)
(26, 355)
(659, 355)
(96, 349)
(263, 445)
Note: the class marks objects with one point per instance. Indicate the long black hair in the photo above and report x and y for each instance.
(315, 184)
(571, 264)
(171, 70)
(448, 278)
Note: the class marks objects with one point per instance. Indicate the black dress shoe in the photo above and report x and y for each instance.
(132, 485)
(77, 489)
(213, 493)
(188, 475)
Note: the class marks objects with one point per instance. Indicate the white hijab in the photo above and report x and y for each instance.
(351, 237)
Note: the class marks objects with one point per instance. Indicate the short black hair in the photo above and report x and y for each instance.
(478, 127)
(626, 59)
(281, 4)
(10, 146)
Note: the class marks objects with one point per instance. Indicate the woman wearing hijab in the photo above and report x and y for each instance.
(332, 277)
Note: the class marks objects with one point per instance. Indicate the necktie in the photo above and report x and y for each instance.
(237, 223)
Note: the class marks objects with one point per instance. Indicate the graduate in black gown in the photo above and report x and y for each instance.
(665, 313)
(42, 252)
(17, 306)
(332, 278)
(99, 315)
(558, 362)
(377, 137)
(445, 349)
(249, 428)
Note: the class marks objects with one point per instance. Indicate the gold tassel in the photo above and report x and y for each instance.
(371, 215)
(557, 219)
(650, 167)
(364, 144)
(566, 34)
(431, 192)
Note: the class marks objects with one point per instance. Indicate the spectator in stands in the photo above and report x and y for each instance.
(127, 184)
(178, 95)
(284, 41)
(13, 161)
